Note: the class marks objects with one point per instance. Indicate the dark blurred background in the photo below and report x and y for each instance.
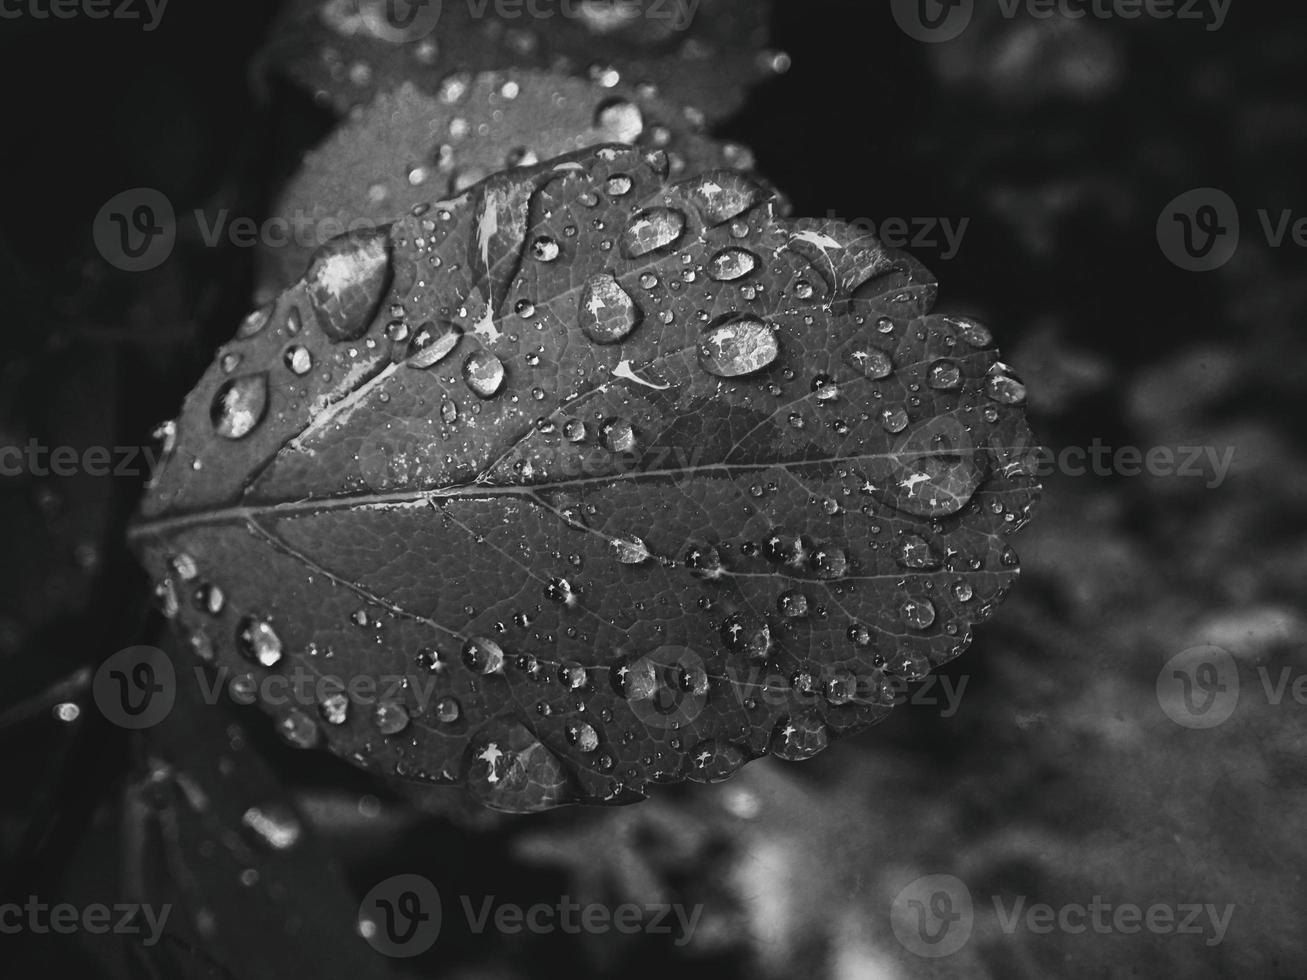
(1062, 142)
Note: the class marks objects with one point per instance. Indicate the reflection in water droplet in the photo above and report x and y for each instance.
(484, 373)
(738, 348)
(239, 406)
(607, 313)
(894, 419)
(619, 185)
(432, 344)
(652, 230)
(841, 687)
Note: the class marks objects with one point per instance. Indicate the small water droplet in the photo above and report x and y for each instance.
(583, 735)
(944, 375)
(545, 249)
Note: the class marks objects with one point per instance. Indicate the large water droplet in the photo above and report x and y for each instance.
(483, 656)
(607, 313)
(298, 729)
(731, 264)
(258, 641)
(1003, 387)
(634, 678)
(944, 375)
(484, 373)
(738, 348)
(651, 230)
(299, 360)
(582, 734)
(239, 406)
(618, 436)
(712, 761)
(347, 280)
(792, 604)
(432, 344)
(390, 717)
(630, 549)
(918, 613)
(723, 195)
(509, 769)
(915, 552)
(799, 737)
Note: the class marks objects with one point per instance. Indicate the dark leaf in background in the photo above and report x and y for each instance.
(704, 56)
(209, 833)
(408, 148)
(621, 481)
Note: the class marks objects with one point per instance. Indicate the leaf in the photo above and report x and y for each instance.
(407, 148)
(211, 841)
(703, 54)
(621, 481)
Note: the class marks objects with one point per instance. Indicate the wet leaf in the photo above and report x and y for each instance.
(703, 54)
(457, 531)
(408, 148)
